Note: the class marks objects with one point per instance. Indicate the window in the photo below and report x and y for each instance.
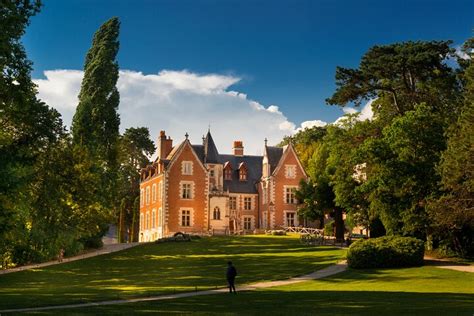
(228, 174)
(186, 218)
(217, 213)
(211, 173)
(247, 223)
(243, 175)
(160, 217)
(290, 195)
(160, 191)
(247, 203)
(153, 218)
(186, 191)
(147, 220)
(153, 193)
(147, 195)
(142, 197)
(290, 171)
(142, 222)
(290, 219)
(233, 203)
(187, 167)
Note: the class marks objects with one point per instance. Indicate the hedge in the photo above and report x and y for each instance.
(385, 252)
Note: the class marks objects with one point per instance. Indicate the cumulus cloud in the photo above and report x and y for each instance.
(179, 102)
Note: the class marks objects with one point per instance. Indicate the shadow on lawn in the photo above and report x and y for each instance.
(300, 303)
(177, 267)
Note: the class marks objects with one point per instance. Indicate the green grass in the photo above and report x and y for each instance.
(154, 269)
(411, 291)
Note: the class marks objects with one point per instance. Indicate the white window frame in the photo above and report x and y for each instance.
(185, 185)
(160, 218)
(247, 220)
(190, 214)
(160, 191)
(153, 192)
(153, 218)
(217, 211)
(295, 218)
(142, 197)
(148, 195)
(147, 220)
(290, 171)
(142, 222)
(289, 196)
(232, 203)
(248, 202)
(187, 168)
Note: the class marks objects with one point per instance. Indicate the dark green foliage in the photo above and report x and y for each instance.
(453, 212)
(135, 148)
(385, 252)
(406, 74)
(29, 128)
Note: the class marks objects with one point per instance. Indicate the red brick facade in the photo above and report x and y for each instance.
(194, 189)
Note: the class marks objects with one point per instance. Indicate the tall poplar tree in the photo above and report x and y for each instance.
(95, 130)
(96, 122)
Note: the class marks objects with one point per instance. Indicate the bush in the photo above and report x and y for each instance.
(275, 232)
(386, 252)
(329, 228)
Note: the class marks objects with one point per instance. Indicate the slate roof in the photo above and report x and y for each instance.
(274, 155)
(254, 173)
(211, 155)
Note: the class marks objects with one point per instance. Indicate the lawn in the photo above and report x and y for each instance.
(411, 291)
(154, 269)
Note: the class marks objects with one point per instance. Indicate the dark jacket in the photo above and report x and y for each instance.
(231, 272)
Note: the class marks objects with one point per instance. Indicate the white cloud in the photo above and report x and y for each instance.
(179, 102)
(310, 124)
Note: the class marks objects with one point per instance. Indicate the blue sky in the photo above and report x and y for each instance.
(284, 53)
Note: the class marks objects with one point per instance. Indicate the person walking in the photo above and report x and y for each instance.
(231, 274)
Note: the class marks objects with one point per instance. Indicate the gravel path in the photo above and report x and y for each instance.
(331, 270)
(447, 264)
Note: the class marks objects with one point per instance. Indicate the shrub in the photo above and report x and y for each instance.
(329, 228)
(275, 232)
(384, 252)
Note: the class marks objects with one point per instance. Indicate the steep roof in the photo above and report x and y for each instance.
(274, 155)
(211, 155)
(254, 173)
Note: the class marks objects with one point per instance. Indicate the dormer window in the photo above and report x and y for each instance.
(242, 172)
(227, 171)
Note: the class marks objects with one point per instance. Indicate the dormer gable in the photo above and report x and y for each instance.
(227, 171)
(243, 171)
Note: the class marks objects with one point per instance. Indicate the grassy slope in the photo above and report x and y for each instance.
(163, 268)
(411, 291)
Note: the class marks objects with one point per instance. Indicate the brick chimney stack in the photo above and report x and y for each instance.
(164, 145)
(238, 148)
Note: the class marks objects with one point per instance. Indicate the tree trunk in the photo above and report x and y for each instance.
(339, 224)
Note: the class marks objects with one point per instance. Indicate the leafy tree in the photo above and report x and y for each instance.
(95, 125)
(453, 212)
(400, 75)
(27, 126)
(135, 148)
(305, 142)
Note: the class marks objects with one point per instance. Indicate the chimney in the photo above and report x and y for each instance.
(238, 148)
(164, 145)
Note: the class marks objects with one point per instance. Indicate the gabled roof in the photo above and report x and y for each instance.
(286, 150)
(211, 155)
(273, 155)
